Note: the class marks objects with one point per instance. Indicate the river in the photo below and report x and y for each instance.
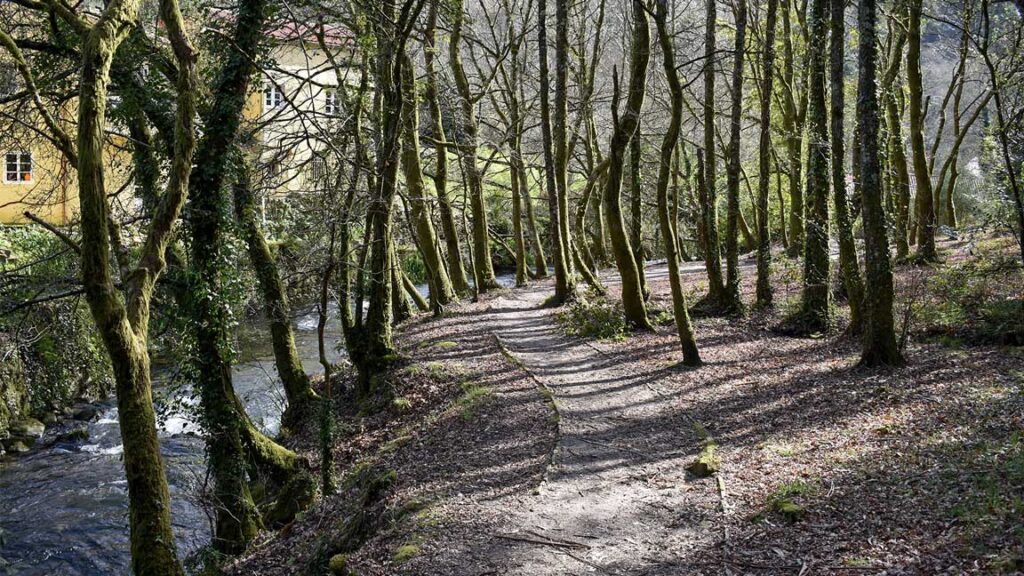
(64, 508)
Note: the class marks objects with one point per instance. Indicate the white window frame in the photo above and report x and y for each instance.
(19, 160)
(331, 104)
(273, 96)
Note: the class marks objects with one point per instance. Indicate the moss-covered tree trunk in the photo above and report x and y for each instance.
(636, 208)
(816, 292)
(792, 127)
(717, 295)
(298, 391)
(925, 206)
(122, 319)
(440, 284)
(764, 248)
(564, 285)
(879, 339)
(209, 213)
(456, 271)
(560, 126)
(483, 269)
(733, 217)
(625, 124)
(691, 356)
(848, 266)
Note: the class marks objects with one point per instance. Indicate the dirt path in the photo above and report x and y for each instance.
(616, 498)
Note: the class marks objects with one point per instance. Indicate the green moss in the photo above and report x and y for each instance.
(708, 462)
(445, 345)
(405, 552)
(472, 398)
(338, 565)
(785, 500)
(401, 404)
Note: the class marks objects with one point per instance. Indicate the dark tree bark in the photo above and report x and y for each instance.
(925, 206)
(732, 266)
(717, 295)
(879, 343)
(764, 249)
(816, 294)
(564, 284)
(848, 266)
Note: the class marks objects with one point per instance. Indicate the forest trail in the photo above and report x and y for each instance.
(616, 498)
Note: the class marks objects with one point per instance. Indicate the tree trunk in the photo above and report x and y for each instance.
(632, 294)
(122, 321)
(732, 265)
(764, 248)
(792, 127)
(717, 295)
(484, 269)
(636, 228)
(560, 143)
(925, 203)
(564, 285)
(456, 271)
(441, 289)
(879, 344)
(817, 263)
(848, 266)
(275, 300)
(691, 356)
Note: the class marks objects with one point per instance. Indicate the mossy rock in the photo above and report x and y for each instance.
(707, 463)
(338, 565)
(17, 447)
(27, 428)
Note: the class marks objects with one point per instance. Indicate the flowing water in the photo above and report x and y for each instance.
(64, 508)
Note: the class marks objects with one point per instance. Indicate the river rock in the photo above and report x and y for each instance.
(27, 428)
(48, 418)
(79, 434)
(17, 447)
(84, 412)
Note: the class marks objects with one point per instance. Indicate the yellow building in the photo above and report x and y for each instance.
(290, 112)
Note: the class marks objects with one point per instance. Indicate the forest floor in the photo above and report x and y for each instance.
(826, 468)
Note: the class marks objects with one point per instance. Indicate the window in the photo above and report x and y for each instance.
(272, 96)
(10, 81)
(331, 106)
(18, 167)
(318, 169)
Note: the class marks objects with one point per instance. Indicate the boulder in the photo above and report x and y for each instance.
(84, 412)
(17, 447)
(26, 428)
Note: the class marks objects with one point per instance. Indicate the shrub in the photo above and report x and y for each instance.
(593, 316)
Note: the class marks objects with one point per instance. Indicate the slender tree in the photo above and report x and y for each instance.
(925, 207)
(691, 356)
(848, 266)
(456, 271)
(764, 249)
(817, 263)
(624, 128)
(732, 265)
(717, 294)
(879, 332)
(484, 269)
(564, 284)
